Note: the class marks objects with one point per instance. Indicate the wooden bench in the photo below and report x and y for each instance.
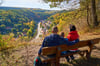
(58, 49)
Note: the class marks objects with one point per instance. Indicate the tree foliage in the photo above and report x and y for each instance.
(56, 3)
(77, 17)
(21, 19)
(89, 5)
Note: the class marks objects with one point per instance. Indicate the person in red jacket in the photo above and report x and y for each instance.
(73, 35)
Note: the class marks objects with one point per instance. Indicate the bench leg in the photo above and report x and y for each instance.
(88, 54)
(52, 63)
(57, 62)
(58, 56)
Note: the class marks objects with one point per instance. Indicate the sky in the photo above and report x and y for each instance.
(28, 4)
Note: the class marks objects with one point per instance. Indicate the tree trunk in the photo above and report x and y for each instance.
(87, 7)
(94, 15)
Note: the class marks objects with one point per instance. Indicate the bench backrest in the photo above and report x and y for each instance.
(64, 47)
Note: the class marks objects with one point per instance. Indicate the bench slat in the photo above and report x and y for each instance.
(53, 58)
(47, 58)
(49, 50)
(64, 47)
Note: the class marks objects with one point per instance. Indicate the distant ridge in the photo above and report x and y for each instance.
(10, 8)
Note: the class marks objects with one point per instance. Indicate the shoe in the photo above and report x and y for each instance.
(72, 58)
(68, 60)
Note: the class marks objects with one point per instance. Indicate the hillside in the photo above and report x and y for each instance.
(21, 19)
(78, 18)
(22, 31)
(30, 13)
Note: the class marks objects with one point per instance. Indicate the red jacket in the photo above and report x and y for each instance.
(73, 35)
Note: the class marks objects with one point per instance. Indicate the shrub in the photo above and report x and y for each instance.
(3, 43)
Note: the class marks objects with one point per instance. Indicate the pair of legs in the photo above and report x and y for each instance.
(71, 57)
(67, 57)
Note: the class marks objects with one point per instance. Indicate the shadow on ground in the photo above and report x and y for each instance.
(83, 62)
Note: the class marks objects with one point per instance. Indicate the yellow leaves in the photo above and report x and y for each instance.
(30, 23)
(60, 21)
(56, 21)
(61, 25)
(56, 15)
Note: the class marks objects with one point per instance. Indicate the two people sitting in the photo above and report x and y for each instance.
(54, 39)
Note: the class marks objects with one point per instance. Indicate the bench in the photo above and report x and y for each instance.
(58, 49)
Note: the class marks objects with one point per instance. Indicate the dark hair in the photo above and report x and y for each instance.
(62, 34)
(72, 28)
(55, 29)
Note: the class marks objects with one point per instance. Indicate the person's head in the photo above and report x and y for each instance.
(55, 29)
(62, 34)
(72, 28)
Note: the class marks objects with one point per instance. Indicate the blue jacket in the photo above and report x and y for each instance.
(55, 40)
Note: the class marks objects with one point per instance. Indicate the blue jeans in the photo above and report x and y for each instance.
(64, 53)
(67, 52)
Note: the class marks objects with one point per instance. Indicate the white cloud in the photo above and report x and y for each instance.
(29, 4)
(25, 3)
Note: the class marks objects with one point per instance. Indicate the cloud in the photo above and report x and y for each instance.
(27, 4)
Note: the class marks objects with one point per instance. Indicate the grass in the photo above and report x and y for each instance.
(8, 41)
(13, 44)
(12, 53)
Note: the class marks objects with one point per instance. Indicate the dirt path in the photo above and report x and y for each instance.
(21, 56)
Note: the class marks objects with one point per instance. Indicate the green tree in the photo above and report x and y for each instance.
(29, 33)
(2, 28)
(2, 42)
(15, 32)
(25, 30)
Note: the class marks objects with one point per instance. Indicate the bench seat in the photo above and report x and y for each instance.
(51, 58)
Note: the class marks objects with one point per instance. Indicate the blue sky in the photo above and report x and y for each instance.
(29, 4)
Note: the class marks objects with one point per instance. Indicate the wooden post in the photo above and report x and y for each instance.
(53, 63)
(58, 56)
(90, 49)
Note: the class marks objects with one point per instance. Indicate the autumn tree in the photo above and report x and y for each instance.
(29, 33)
(58, 3)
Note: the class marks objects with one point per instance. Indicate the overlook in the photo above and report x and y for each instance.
(26, 24)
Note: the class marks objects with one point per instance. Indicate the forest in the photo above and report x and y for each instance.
(21, 20)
